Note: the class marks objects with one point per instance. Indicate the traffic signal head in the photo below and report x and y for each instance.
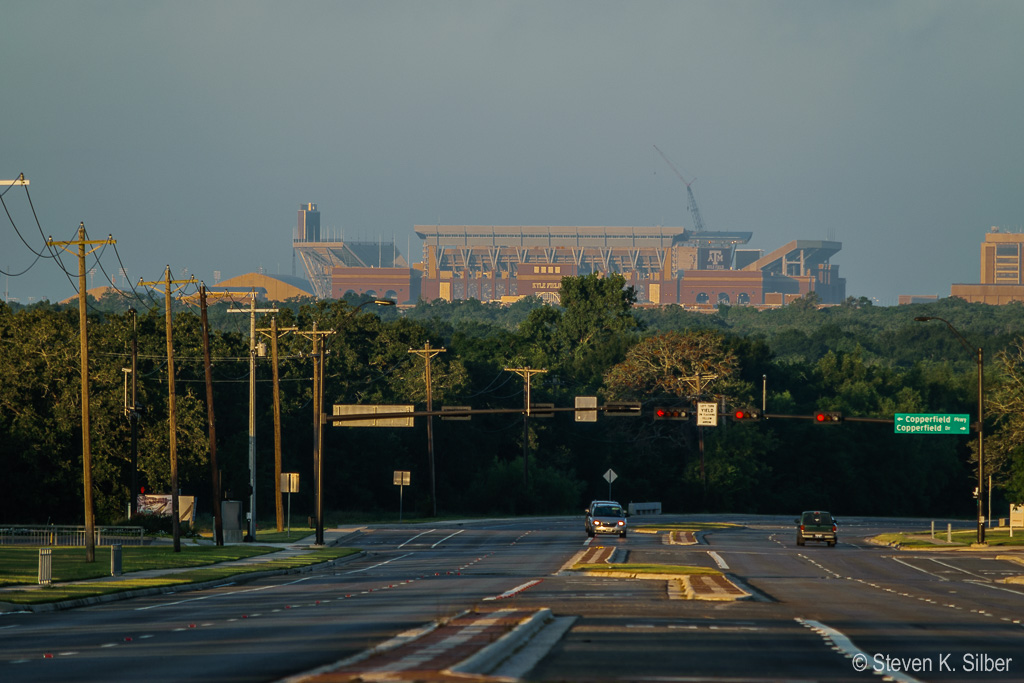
(828, 416)
(671, 414)
(746, 414)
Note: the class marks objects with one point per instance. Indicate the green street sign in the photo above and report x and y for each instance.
(931, 423)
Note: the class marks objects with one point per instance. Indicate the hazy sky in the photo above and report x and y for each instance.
(192, 131)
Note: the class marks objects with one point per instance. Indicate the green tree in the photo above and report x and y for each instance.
(657, 365)
(1004, 444)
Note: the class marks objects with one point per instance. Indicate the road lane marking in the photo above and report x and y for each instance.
(924, 571)
(445, 538)
(955, 568)
(718, 559)
(514, 591)
(221, 595)
(851, 651)
(417, 536)
(986, 584)
(379, 564)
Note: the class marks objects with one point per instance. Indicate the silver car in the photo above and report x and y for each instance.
(605, 517)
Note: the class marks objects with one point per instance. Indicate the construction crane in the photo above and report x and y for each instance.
(698, 222)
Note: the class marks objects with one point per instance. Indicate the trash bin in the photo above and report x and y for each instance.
(115, 559)
(45, 566)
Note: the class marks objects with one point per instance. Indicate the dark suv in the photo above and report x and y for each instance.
(816, 525)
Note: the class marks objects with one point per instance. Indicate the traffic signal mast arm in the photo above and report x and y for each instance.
(676, 413)
(781, 416)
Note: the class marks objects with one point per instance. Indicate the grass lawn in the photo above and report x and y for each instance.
(962, 538)
(69, 565)
(270, 535)
(21, 565)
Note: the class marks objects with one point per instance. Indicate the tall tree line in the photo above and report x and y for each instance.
(856, 358)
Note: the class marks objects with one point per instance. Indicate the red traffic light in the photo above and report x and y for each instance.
(671, 414)
(828, 416)
(747, 414)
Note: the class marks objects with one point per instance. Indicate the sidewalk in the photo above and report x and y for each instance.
(332, 537)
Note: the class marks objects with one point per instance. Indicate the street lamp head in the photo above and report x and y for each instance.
(378, 302)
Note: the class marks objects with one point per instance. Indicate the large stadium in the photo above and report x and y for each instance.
(665, 265)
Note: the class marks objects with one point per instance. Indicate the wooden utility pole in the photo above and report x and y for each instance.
(427, 353)
(276, 333)
(172, 414)
(218, 522)
(526, 374)
(81, 242)
(318, 422)
(252, 311)
(133, 414)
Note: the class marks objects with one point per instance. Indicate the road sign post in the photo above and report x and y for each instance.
(931, 423)
(401, 480)
(610, 476)
(289, 483)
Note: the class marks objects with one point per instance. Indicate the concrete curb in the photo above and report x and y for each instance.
(10, 607)
(488, 658)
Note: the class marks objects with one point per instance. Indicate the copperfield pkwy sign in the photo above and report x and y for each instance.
(931, 423)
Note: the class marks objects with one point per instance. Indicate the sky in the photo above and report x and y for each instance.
(192, 131)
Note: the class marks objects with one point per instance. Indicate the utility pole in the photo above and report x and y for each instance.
(172, 413)
(697, 384)
(427, 353)
(81, 242)
(218, 522)
(318, 422)
(526, 374)
(132, 413)
(252, 311)
(275, 334)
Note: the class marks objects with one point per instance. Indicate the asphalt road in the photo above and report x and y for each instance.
(816, 610)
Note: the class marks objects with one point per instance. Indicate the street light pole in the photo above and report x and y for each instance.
(981, 419)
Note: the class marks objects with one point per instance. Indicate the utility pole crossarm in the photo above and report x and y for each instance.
(81, 243)
(20, 181)
(699, 381)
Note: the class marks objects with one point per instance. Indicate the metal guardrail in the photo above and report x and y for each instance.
(54, 535)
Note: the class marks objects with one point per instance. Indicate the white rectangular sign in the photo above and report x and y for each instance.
(707, 414)
(370, 411)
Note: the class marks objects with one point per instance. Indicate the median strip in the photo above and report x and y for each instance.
(685, 582)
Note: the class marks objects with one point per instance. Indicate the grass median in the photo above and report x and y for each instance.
(19, 566)
(999, 537)
(684, 526)
(642, 569)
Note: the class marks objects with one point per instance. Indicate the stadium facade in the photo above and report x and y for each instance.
(665, 265)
